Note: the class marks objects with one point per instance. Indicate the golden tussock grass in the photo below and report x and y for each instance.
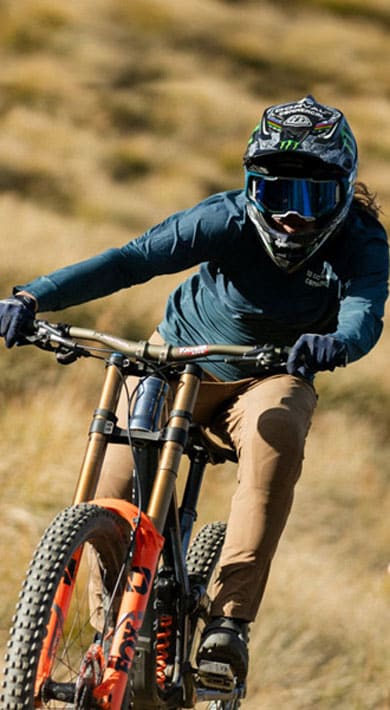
(112, 115)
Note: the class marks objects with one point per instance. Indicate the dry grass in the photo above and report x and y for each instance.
(113, 114)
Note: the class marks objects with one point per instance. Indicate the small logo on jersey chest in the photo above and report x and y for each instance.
(322, 279)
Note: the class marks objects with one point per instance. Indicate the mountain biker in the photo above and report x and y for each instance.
(297, 257)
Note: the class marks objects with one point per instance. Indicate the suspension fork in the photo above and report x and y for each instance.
(104, 423)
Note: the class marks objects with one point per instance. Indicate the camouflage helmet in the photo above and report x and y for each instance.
(307, 129)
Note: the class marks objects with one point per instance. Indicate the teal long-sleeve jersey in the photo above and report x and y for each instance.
(238, 295)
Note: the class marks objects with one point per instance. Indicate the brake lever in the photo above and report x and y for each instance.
(66, 357)
(51, 338)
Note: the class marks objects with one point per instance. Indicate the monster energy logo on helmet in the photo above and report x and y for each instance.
(289, 144)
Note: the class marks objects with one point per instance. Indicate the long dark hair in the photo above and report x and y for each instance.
(366, 200)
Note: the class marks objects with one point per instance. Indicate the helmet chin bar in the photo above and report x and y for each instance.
(290, 261)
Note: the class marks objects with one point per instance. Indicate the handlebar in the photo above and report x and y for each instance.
(63, 340)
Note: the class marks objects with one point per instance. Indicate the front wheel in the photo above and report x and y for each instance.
(49, 662)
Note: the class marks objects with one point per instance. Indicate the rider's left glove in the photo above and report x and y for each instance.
(16, 314)
(312, 353)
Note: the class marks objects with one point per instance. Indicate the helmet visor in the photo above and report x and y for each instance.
(279, 196)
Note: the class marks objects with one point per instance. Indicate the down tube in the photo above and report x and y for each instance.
(135, 598)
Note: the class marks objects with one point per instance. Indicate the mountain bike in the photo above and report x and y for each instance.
(132, 643)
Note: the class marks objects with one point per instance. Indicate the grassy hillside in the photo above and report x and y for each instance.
(112, 115)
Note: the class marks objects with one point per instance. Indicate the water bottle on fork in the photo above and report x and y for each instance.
(150, 398)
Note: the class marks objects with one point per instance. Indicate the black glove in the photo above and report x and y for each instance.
(16, 314)
(312, 353)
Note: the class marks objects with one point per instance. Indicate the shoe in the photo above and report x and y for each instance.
(223, 649)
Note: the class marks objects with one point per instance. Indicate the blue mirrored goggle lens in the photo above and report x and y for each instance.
(308, 198)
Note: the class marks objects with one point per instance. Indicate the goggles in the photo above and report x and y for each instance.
(311, 199)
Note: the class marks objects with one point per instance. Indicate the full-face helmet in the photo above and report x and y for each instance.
(300, 164)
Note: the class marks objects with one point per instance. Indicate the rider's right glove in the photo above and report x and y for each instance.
(16, 314)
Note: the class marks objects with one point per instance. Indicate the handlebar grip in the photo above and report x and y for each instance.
(29, 328)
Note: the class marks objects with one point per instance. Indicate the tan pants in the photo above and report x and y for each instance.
(267, 422)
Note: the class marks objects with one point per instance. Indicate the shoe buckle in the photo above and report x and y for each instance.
(215, 674)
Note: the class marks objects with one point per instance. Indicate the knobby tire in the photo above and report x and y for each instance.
(109, 535)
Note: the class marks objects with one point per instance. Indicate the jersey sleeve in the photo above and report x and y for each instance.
(360, 318)
(183, 240)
